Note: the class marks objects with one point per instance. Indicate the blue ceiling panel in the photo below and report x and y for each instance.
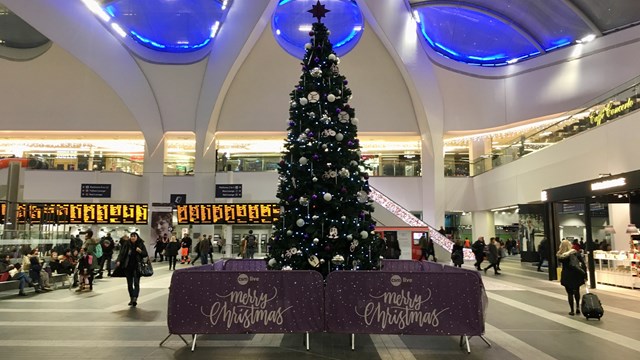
(291, 24)
(472, 36)
(168, 25)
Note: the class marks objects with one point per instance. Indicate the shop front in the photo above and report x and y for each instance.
(599, 216)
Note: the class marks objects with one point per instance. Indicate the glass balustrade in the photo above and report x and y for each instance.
(606, 108)
(85, 163)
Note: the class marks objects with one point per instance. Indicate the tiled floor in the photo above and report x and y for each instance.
(526, 319)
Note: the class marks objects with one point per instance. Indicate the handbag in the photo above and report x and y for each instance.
(144, 268)
(98, 251)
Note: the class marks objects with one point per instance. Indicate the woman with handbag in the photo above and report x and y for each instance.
(129, 261)
(574, 273)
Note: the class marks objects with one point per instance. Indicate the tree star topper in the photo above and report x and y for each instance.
(319, 11)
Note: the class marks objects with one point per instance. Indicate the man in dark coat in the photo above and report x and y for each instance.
(478, 251)
(543, 252)
(493, 257)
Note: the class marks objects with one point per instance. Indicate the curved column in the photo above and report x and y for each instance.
(399, 35)
(73, 27)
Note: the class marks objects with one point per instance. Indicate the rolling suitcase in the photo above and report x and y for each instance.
(591, 306)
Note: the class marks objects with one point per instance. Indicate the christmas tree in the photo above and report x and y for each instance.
(326, 221)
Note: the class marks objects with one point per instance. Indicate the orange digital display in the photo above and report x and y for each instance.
(214, 214)
(70, 213)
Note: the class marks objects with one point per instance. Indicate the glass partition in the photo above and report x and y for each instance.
(514, 144)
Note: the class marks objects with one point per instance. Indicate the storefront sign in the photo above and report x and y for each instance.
(209, 214)
(68, 213)
(609, 111)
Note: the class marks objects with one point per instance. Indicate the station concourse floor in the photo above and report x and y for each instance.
(527, 318)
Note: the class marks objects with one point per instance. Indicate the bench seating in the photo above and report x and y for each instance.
(54, 280)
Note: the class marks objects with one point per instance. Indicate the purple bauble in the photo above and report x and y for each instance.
(306, 236)
(311, 33)
(345, 81)
(276, 238)
(371, 227)
(349, 143)
(314, 196)
(347, 106)
(310, 134)
(338, 111)
(292, 123)
(282, 162)
(344, 190)
(366, 176)
(290, 198)
(317, 59)
(327, 248)
(315, 157)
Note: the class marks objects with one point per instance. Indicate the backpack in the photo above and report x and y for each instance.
(251, 241)
(98, 251)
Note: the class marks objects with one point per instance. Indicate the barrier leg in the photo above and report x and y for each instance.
(466, 340)
(461, 340)
(193, 344)
(306, 336)
(353, 342)
(485, 340)
(165, 339)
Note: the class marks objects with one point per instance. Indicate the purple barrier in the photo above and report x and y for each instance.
(431, 266)
(235, 302)
(245, 265)
(218, 265)
(401, 265)
(414, 303)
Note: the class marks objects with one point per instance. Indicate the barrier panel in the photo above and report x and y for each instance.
(411, 303)
(236, 302)
(401, 265)
(245, 264)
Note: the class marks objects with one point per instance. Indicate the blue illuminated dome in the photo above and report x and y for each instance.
(490, 33)
(164, 25)
(291, 24)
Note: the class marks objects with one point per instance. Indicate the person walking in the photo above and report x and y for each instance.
(457, 255)
(185, 248)
(478, 250)
(574, 273)
(204, 246)
(131, 255)
(423, 247)
(250, 245)
(172, 251)
(493, 257)
(108, 245)
(543, 250)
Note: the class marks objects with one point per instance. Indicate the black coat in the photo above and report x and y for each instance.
(571, 277)
(172, 248)
(457, 254)
(129, 258)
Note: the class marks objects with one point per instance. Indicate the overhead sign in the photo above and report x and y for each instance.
(176, 199)
(72, 213)
(229, 190)
(95, 190)
(214, 214)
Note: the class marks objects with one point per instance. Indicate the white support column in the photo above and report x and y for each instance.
(619, 218)
(227, 231)
(483, 225)
(477, 149)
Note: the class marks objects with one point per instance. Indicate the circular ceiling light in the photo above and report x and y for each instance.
(291, 24)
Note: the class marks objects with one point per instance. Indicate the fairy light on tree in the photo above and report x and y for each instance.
(326, 221)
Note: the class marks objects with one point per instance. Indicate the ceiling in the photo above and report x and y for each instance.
(498, 33)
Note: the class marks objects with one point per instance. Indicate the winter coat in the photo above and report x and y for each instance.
(172, 248)
(571, 277)
(129, 258)
(457, 255)
(492, 256)
(205, 246)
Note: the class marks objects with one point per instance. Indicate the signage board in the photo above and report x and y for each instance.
(214, 214)
(78, 213)
(229, 190)
(95, 190)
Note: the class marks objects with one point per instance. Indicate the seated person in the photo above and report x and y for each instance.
(17, 274)
(5, 262)
(67, 263)
(54, 263)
